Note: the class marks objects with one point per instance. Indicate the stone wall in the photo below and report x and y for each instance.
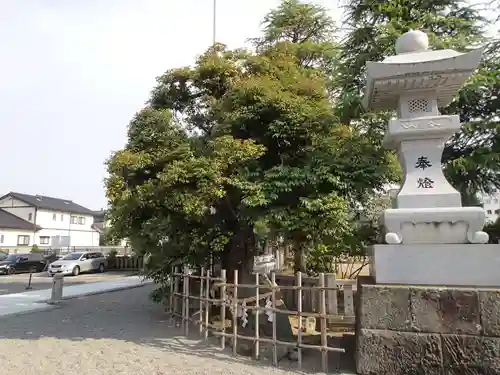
(424, 330)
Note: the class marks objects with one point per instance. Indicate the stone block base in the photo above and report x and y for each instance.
(465, 265)
(426, 330)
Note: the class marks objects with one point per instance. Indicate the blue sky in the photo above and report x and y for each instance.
(73, 73)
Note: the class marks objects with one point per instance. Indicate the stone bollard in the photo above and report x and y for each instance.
(57, 289)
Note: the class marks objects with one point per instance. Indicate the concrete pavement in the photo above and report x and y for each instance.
(36, 300)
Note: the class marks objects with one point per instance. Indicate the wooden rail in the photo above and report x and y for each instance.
(322, 298)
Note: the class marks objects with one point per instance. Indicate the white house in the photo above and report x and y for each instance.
(27, 220)
(491, 204)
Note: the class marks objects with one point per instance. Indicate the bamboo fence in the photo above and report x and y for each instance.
(199, 294)
(125, 262)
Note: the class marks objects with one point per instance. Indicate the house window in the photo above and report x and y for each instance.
(62, 217)
(45, 240)
(490, 212)
(23, 240)
(30, 216)
(1, 238)
(497, 212)
(74, 219)
(81, 220)
(54, 217)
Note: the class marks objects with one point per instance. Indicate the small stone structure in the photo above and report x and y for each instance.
(427, 330)
(431, 305)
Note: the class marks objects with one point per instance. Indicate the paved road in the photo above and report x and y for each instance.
(18, 283)
(113, 333)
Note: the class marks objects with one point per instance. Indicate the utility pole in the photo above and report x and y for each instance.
(214, 22)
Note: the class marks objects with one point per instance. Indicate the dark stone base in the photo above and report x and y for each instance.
(415, 330)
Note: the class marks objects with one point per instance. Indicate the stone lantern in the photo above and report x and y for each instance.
(432, 302)
(429, 224)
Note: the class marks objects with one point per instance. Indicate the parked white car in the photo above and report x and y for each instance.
(75, 263)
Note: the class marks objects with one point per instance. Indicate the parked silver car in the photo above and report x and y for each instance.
(75, 263)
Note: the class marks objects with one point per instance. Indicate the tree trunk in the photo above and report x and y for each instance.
(300, 263)
(300, 255)
(239, 252)
(469, 198)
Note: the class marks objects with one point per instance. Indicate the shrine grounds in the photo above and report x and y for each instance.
(115, 333)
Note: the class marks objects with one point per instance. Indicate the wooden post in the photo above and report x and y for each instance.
(202, 295)
(256, 343)
(171, 297)
(314, 293)
(207, 303)
(186, 299)
(299, 319)
(322, 311)
(331, 294)
(348, 300)
(183, 297)
(223, 308)
(277, 258)
(235, 312)
(176, 290)
(273, 301)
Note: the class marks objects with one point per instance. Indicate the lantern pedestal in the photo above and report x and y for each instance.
(440, 225)
(434, 330)
(462, 265)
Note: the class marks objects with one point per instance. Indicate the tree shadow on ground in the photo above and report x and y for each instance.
(210, 348)
(130, 316)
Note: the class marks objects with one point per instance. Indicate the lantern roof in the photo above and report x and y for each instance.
(416, 68)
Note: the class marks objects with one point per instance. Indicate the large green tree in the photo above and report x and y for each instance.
(309, 29)
(471, 157)
(311, 32)
(238, 140)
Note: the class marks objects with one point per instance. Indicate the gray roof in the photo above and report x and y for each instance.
(99, 227)
(49, 203)
(10, 221)
(99, 215)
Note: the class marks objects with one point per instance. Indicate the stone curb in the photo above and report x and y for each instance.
(116, 289)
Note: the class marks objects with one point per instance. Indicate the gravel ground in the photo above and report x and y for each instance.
(113, 333)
